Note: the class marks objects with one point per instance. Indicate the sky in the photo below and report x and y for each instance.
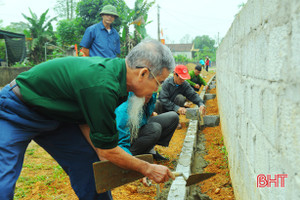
(179, 19)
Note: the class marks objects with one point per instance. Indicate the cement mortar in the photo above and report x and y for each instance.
(198, 165)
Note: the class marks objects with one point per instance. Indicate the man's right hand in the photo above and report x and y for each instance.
(158, 173)
(197, 86)
(181, 111)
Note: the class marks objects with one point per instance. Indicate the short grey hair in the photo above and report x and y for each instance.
(152, 54)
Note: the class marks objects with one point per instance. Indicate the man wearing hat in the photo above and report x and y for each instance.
(196, 81)
(102, 39)
(174, 91)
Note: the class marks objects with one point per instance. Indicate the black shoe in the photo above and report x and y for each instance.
(159, 157)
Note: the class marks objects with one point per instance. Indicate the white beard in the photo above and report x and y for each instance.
(135, 114)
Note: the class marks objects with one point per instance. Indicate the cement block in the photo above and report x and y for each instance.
(209, 96)
(211, 87)
(192, 113)
(211, 120)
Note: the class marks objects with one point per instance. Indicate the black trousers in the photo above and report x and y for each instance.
(179, 100)
(159, 130)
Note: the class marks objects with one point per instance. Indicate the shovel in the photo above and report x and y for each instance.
(109, 175)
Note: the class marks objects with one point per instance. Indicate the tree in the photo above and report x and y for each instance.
(41, 32)
(89, 12)
(205, 52)
(206, 47)
(66, 9)
(204, 41)
(67, 32)
(138, 17)
(17, 27)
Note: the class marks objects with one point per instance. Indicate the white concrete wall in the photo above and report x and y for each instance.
(258, 87)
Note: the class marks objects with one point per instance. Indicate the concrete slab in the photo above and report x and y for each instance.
(192, 113)
(209, 96)
(211, 120)
(211, 86)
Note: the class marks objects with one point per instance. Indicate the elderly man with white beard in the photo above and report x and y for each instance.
(51, 102)
(140, 129)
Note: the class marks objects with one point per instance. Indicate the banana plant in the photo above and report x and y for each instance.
(41, 32)
(138, 18)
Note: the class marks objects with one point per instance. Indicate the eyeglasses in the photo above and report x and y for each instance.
(140, 67)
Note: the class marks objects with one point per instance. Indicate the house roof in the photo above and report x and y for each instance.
(180, 47)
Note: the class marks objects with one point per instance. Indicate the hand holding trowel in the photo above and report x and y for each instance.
(192, 179)
(109, 176)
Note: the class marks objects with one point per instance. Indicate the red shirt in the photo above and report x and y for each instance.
(207, 62)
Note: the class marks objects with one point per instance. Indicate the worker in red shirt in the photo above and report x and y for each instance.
(207, 62)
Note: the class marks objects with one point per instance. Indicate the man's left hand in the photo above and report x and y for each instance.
(202, 110)
(154, 114)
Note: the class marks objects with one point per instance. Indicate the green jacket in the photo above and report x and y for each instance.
(196, 79)
(79, 90)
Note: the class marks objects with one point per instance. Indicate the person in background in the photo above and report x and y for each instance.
(174, 92)
(102, 39)
(67, 106)
(202, 63)
(207, 63)
(140, 131)
(196, 81)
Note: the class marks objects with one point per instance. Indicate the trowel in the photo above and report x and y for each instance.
(109, 175)
(194, 178)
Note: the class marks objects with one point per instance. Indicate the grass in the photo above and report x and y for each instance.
(225, 157)
(40, 175)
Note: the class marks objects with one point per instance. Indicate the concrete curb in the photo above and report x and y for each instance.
(178, 190)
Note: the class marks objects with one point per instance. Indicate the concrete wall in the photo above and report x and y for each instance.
(7, 74)
(258, 87)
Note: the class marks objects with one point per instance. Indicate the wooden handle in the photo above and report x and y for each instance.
(177, 174)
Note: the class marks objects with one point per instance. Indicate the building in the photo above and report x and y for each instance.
(187, 50)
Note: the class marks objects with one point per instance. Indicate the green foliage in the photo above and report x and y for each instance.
(201, 54)
(141, 9)
(2, 50)
(67, 32)
(17, 27)
(206, 47)
(181, 59)
(225, 157)
(204, 41)
(89, 12)
(41, 32)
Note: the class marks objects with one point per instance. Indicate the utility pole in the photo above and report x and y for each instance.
(158, 23)
(218, 39)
